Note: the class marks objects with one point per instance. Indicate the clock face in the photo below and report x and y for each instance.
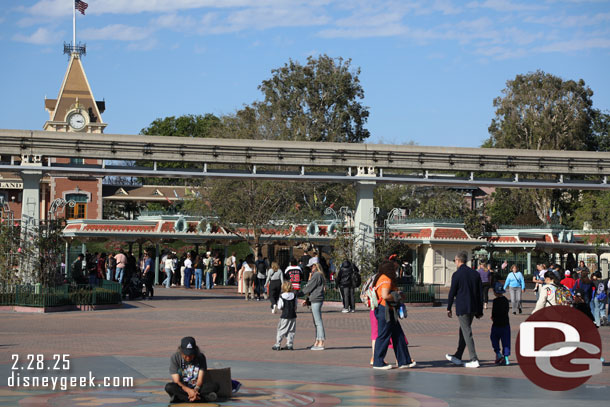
(77, 121)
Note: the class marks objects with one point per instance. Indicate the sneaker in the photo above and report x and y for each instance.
(506, 361)
(499, 358)
(384, 367)
(236, 386)
(273, 309)
(210, 397)
(352, 310)
(520, 310)
(473, 363)
(289, 347)
(454, 360)
(408, 366)
(276, 347)
(345, 310)
(317, 348)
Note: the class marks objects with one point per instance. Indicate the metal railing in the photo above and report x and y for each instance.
(36, 295)
(427, 293)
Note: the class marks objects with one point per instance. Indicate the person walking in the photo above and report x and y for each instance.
(199, 265)
(148, 275)
(315, 292)
(247, 271)
(275, 279)
(516, 286)
(287, 326)
(500, 327)
(598, 304)
(208, 267)
(110, 267)
(188, 270)
(261, 275)
(121, 263)
(294, 274)
(388, 327)
(346, 279)
(485, 274)
(547, 291)
(169, 270)
(466, 291)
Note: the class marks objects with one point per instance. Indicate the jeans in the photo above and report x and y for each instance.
(209, 280)
(260, 287)
(347, 294)
(316, 311)
(387, 330)
(466, 337)
(515, 298)
(119, 274)
(109, 274)
(168, 279)
(178, 395)
(597, 308)
(500, 333)
(187, 277)
(198, 276)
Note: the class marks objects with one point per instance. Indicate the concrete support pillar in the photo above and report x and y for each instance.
(68, 274)
(157, 257)
(364, 220)
(529, 263)
(30, 204)
(225, 269)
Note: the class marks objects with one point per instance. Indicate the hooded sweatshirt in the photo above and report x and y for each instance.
(288, 304)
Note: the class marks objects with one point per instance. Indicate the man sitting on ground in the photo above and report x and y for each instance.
(188, 367)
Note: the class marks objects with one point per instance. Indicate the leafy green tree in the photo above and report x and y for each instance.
(318, 101)
(540, 111)
(601, 130)
(183, 126)
(594, 208)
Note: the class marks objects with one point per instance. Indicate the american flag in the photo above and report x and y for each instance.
(81, 6)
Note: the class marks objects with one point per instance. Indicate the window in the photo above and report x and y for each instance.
(3, 197)
(76, 161)
(79, 211)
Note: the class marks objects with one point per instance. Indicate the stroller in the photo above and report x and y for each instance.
(133, 289)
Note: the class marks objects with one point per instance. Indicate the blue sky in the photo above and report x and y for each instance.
(430, 69)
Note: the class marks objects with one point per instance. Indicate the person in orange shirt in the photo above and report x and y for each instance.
(387, 319)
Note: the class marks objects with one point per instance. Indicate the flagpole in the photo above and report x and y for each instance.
(73, 24)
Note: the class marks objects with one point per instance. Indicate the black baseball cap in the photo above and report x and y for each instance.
(188, 346)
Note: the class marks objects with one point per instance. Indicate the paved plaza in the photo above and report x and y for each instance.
(137, 340)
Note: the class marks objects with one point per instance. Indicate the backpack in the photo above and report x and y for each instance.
(356, 279)
(563, 296)
(601, 292)
(368, 295)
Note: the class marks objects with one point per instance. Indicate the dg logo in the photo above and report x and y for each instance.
(559, 348)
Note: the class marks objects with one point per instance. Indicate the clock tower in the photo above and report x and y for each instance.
(76, 110)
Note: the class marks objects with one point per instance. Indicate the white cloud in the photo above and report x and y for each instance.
(59, 8)
(577, 44)
(117, 32)
(565, 21)
(41, 36)
(504, 5)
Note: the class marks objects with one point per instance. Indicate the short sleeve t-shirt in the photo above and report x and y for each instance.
(383, 281)
(188, 371)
